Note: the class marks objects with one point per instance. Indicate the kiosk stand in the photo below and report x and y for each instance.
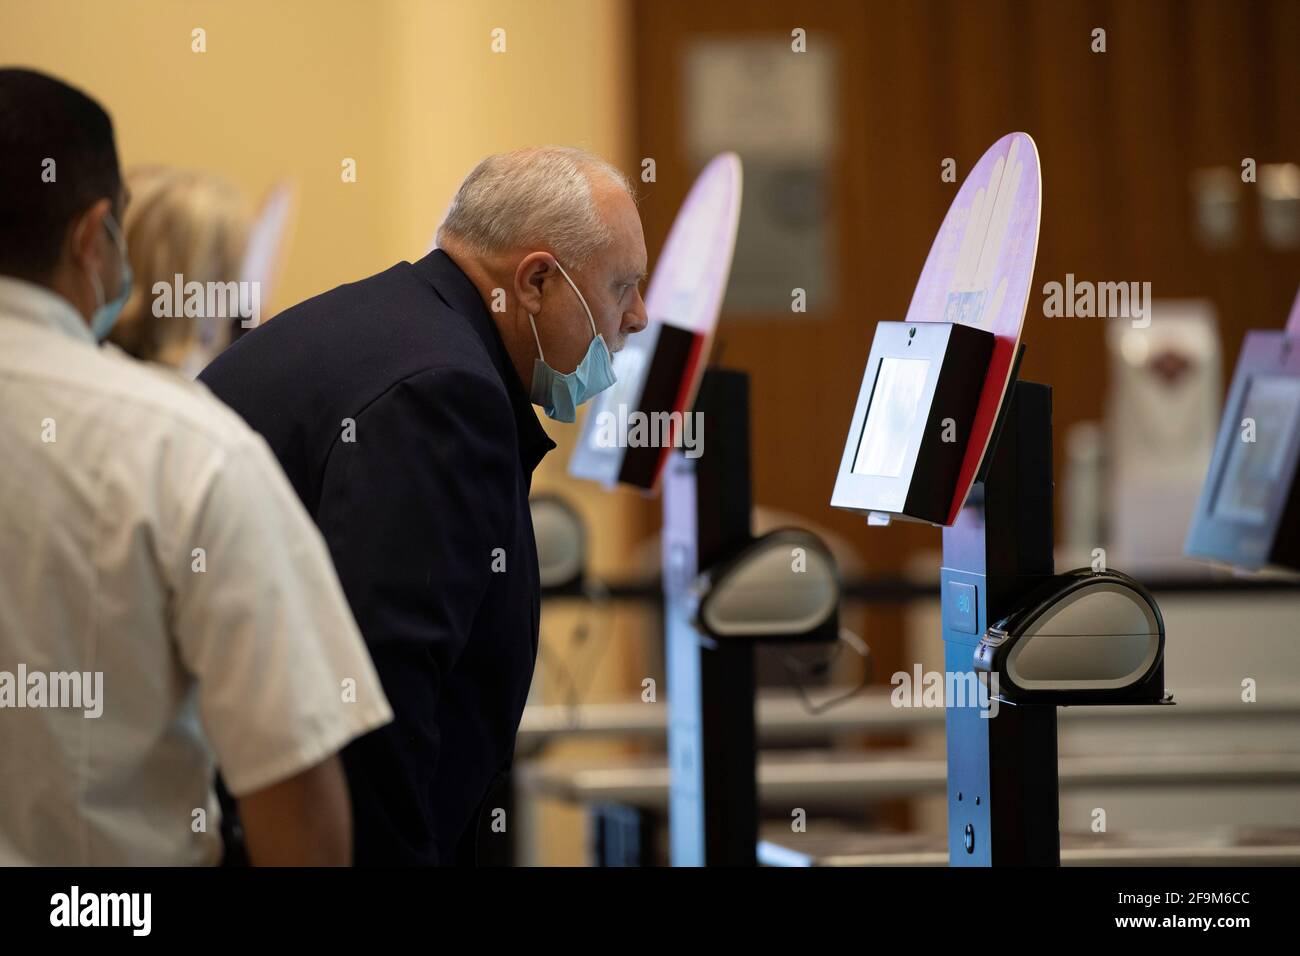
(724, 593)
(712, 741)
(713, 805)
(942, 432)
(1002, 779)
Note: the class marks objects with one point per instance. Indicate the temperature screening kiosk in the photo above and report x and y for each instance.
(1248, 515)
(942, 432)
(706, 518)
(724, 591)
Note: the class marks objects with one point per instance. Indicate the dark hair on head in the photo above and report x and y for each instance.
(43, 119)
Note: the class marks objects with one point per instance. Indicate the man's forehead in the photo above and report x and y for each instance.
(625, 256)
(630, 254)
(619, 209)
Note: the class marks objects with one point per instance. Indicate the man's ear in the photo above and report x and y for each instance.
(534, 269)
(84, 246)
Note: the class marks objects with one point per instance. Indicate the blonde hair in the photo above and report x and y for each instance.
(178, 221)
(535, 197)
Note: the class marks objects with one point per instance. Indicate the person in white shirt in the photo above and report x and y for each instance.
(165, 601)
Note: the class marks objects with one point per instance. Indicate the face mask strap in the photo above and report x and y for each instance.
(533, 323)
(119, 240)
(96, 286)
(581, 298)
(115, 233)
(99, 290)
(586, 308)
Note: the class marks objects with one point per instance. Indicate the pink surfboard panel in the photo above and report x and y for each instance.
(979, 273)
(694, 266)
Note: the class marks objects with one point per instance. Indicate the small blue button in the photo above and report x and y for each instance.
(961, 609)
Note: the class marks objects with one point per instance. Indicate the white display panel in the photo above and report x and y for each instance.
(895, 405)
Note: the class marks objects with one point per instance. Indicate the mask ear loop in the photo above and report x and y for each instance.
(595, 333)
(115, 231)
(119, 240)
(98, 287)
(533, 323)
(99, 290)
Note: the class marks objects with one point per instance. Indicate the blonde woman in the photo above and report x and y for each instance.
(187, 223)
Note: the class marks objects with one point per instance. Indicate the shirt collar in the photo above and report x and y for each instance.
(460, 294)
(29, 302)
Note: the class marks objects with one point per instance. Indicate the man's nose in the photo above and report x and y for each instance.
(635, 319)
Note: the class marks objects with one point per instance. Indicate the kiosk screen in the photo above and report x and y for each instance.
(896, 402)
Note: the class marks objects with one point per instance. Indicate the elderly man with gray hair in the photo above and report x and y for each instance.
(400, 407)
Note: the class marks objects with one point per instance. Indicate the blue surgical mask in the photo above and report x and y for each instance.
(106, 313)
(560, 394)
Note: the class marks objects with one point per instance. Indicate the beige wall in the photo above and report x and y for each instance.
(408, 88)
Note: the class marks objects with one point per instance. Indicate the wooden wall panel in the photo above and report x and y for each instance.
(1182, 85)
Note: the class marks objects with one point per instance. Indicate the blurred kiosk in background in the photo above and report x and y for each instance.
(944, 433)
(1249, 511)
(723, 589)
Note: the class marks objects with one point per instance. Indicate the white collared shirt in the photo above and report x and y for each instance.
(149, 542)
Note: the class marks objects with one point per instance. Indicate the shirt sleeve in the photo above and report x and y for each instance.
(284, 679)
(414, 509)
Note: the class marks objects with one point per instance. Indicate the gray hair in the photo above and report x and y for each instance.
(539, 196)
